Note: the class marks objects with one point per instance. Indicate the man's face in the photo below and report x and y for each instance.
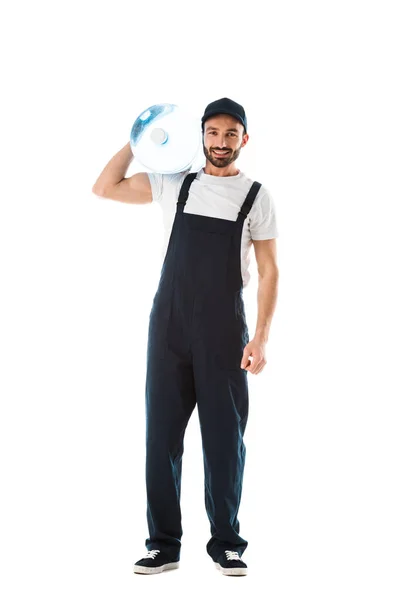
(225, 134)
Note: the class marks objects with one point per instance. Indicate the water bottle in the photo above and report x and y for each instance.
(165, 138)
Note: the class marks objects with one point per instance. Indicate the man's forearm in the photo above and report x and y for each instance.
(266, 301)
(115, 170)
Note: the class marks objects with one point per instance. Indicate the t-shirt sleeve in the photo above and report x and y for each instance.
(157, 184)
(165, 184)
(262, 217)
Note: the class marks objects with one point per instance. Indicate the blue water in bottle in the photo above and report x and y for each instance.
(166, 139)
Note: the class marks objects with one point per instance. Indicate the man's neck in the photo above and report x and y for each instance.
(229, 171)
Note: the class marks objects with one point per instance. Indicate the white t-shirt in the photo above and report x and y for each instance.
(220, 197)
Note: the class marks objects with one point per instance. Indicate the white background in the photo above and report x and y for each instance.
(320, 85)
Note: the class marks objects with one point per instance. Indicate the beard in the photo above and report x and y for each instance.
(224, 161)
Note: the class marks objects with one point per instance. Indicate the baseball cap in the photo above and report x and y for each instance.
(228, 107)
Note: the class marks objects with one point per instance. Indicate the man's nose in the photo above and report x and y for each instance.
(221, 142)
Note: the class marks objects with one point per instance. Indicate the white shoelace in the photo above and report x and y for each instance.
(151, 553)
(232, 555)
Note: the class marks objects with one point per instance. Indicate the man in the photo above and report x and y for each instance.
(199, 350)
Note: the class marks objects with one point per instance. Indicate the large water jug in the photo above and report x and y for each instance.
(165, 138)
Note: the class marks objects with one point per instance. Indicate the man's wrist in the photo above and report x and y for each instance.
(261, 335)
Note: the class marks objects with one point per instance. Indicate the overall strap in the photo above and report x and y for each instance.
(184, 192)
(248, 203)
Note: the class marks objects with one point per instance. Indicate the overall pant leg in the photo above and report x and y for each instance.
(170, 400)
(222, 401)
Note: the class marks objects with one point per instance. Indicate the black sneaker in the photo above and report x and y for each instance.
(155, 561)
(230, 563)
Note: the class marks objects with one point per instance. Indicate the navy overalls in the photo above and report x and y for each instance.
(197, 333)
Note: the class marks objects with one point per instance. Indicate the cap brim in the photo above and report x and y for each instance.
(220, 112)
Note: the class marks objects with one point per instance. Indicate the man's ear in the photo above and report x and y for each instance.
(245, 139)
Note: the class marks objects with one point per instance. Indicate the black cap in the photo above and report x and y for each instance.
(228, 107)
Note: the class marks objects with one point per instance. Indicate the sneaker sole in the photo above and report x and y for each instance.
(154, 570)
(233, 571)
